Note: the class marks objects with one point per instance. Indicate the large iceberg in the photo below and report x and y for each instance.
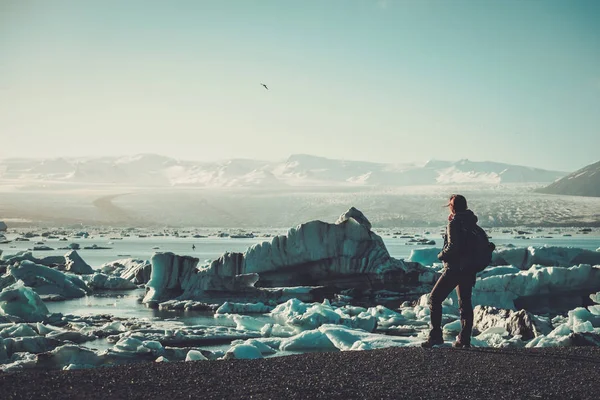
(503, 290)
(522, 258)
(316, 254)
(49, 283)
(549, 256)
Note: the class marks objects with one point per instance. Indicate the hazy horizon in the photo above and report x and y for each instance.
(380, 81)
(270, 160)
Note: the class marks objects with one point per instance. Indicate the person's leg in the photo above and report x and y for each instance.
(443, 287)
(464, 291)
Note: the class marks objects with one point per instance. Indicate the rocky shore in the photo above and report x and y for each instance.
(411, 373)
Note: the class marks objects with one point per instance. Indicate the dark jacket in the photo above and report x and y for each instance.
(454, 252)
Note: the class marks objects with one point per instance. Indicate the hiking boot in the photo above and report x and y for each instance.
(432, 341)
(460, 345)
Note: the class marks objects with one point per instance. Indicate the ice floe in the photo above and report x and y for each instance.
(47, 282)
(20, 301)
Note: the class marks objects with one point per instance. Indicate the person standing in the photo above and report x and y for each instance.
(454, 255)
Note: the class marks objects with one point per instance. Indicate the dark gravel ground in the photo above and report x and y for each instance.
(393, 373)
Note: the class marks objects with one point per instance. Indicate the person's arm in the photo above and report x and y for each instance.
(452, 247)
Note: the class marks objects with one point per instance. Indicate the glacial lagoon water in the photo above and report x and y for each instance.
(126, 304)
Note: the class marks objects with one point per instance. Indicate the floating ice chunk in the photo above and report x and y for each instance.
(264, 348)
(243, 352)
(550, 256)
(195, 355)
(37, 344)
(187, 305)
(129, 344)
(155, 346)
(134, 270)
(500, 270)
(18, 330)
(244, 322)
(27, 255)
(70, 336)
(583, 327)
(501, 290)
(496, 330)
(168, 272)
(355, 339)
(20, 301)
(19, 362)
(581, 315)
(384, 317)
(362, 321)
(106, 282)
(303, 316)
(47, 281)
(452, 328)
(561, 330)
(277, 330)
(113, 327)
(68, 354)
(161, 359)
(243, 308)
(520, 322)
(409, 313)
(353, 311)
(75, 264)
(595, 309)
(308, 340)
(561, 336)
(426, 256)
(45, 329)
(595, 297)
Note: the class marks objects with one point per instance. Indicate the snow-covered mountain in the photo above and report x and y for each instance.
(298, 170)
(583, 182)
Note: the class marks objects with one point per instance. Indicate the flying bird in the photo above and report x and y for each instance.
(265, 86)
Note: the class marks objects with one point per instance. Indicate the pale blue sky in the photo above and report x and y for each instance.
(389, 81)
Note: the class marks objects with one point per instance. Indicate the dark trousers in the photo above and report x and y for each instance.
(443, 287)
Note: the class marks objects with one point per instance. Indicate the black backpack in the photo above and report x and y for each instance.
(479, 249)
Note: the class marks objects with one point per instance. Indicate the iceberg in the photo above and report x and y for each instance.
(316, 254)
(503, 290)
(426, 256)
(49, 283)
(102, 281)
(195, 355)
(134, 270)
(75, 264)
(243, 308)
(243, 352)
(28, 256)
(549, 256)
(18, 300)
(514, 323)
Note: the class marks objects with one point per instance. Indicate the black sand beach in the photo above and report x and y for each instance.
(393, 373)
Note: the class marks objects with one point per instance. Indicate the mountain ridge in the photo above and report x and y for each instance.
(296, 170)
(583, 182)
